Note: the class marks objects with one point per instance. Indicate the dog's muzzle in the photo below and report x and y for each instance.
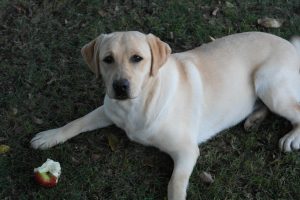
(121, 89)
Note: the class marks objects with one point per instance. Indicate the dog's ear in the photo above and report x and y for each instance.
(160, 52)
(90, 53)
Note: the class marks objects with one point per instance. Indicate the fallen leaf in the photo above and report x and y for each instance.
(148, 163)
(206, 177)
(212, 38)
(215, 11)
(83, 25)
(113, 141)
(205, 16)
(14, 111)
(172, 35)
(212, 21)
(37, 120)
(51, 81)
(229, 5)
(95, 157)
(4, 148)
(270, 22)
(102, 13)
(19, 9)
(117, 8)
(75, 160)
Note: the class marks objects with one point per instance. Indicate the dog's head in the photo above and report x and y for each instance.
(125, 60)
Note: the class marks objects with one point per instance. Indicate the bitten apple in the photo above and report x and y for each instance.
(47, 175)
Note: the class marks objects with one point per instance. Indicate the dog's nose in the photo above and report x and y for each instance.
(121, 88)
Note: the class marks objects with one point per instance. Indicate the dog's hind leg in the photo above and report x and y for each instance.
(255, 118)
(279, 89)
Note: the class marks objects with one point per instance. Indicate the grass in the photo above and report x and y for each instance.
(44, 84)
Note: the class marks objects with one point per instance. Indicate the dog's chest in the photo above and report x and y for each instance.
(135, 127)
(131, 120)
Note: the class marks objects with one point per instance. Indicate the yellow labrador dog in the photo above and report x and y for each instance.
(177, 101)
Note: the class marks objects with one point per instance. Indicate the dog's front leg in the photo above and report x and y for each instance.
(184, 162)
(93, 120)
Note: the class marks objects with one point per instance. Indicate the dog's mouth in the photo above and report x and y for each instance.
(122, 97)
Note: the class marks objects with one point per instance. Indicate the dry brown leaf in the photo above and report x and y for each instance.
(212, 38)
(172, 35)
(229, 5)
(205, 16)
(148, 163)
(102, 13)
(37, 120)
(95, 157)
(206, 177)
(212, 21)
(270, 22)
(117, 8)
(4, 148)
(75, 160)
(19, 9)
(51, 81)
(14, 111)
(113, 141)
(215, 11)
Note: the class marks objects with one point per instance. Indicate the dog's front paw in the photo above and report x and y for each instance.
(290, 142)
(47, 139)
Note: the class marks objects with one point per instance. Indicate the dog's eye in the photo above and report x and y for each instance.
(136, 58)
(108, 59)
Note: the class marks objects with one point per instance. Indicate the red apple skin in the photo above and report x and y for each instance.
(45, 179)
